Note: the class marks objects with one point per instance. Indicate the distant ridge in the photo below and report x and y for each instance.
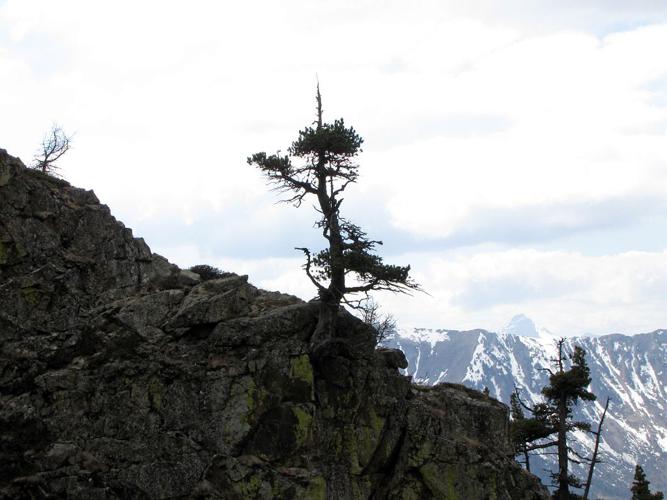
(632, 370)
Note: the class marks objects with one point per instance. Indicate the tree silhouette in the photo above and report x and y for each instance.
(207, 272)
(594, 459)
(566, 387)
(527, 432)
(54, 145)
(383, 324)
(640, 487)
(320, 164)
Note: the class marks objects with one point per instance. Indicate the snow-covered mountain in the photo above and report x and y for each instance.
(631, 370)
(523, 326)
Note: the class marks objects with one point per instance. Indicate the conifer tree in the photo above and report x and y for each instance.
(527, 432)
(566, 387)
(517, 435)
(320, 165)
(640, 487)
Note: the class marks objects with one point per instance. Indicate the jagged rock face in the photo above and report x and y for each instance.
(61, 251)
(123, 377)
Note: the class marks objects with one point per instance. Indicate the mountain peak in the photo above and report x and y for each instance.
(521, 325)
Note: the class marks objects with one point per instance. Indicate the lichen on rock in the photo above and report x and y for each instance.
(121, 376)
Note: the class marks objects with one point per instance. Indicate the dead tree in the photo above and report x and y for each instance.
(594, 458)
(54, 145)
(384, 324)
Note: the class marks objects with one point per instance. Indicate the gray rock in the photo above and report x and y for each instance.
(394, 358)
(122, 376)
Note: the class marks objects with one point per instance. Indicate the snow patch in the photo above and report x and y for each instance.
(662, 442)
(428, 335)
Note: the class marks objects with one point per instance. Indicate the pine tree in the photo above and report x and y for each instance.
(517, 433)
(527, 432)
(640, 487)
(320, 165)
(566, 387)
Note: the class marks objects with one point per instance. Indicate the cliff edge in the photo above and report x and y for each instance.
(122, 376)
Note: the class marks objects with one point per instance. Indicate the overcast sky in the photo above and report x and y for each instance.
(515, 152)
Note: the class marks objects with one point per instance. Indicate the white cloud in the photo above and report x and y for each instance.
(481, 126)
(566, 292)
(581, 130)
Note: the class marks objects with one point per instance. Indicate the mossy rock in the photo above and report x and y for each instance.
(441, 483)
(281, 432)
(316, 490)
(30, 295)
(155, 392)
(369, 436)
(10, 252)
(300, 386)
(252, 486)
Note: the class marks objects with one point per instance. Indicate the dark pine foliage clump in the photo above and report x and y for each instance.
(527, 431)
(207, 272)
(640, 487)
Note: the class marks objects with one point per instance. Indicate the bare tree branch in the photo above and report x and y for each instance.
(307, 267)
(594, 459)
(54, 145)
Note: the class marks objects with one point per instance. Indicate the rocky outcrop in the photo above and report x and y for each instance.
(122, 376)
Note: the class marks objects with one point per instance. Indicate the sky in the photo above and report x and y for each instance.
(515, 152)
